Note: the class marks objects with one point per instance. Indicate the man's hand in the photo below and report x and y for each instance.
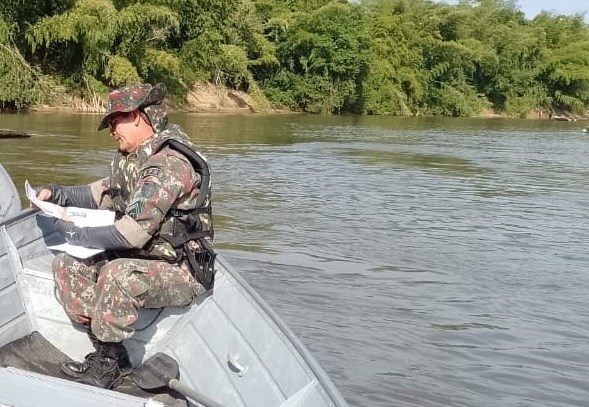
(43, 194)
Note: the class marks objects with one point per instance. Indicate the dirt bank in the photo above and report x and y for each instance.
(202, 98)
(208, 98)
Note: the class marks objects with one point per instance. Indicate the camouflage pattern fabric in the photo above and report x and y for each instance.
(150, 185)
(157, 117)
(146, 97)
(75, 282)
(110, 295)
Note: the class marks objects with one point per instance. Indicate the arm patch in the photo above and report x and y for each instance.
(155, 172)
(137, 206)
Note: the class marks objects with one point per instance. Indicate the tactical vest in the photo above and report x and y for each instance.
(184, 234)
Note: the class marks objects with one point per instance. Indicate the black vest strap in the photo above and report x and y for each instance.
(188, 226)
(199, 165)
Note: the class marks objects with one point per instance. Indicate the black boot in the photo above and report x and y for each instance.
(77, 369)
(107, 369)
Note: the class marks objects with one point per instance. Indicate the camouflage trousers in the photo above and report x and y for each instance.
(109, 295)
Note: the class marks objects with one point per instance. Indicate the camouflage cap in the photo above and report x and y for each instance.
(131, 98)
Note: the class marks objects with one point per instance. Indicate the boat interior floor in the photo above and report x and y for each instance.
(34, 353)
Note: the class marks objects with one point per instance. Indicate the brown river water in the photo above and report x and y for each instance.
(422, 261)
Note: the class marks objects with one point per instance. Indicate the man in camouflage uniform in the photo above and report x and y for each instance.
(158, 252)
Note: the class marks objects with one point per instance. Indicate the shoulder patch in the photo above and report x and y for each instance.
(155, 172)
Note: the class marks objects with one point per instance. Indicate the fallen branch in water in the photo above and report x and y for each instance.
(4, 133)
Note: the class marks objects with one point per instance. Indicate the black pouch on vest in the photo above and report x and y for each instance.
(202, 262)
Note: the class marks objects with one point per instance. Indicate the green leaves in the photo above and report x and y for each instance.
(120, 71)
(20, 84)
(394, 57)
(324, 55)
(113, 43)
(469, 57)
(87, 22)
(566, 74)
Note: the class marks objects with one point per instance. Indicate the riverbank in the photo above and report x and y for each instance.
(562, 115)
(202, 98)
(211, 99)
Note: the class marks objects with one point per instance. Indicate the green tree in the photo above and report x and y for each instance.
(512, 58)
(24, 12)
(107, 46)
(396, 80)
(565, 72)
(323, 55)
(20, 84)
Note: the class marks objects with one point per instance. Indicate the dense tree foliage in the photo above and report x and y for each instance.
(20, 84)
(385, 57)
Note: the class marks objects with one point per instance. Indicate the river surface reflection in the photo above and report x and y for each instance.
(423, 262)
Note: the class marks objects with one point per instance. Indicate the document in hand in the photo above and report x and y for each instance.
(81, 217)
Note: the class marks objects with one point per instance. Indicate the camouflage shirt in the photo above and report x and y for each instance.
(148, 186)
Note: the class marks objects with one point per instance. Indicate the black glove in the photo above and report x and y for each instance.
(101, 237)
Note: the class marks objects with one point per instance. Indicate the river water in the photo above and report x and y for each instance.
(423, 262)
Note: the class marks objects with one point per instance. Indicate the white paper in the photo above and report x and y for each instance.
(79, 252)
(46, 207)
(81, 217)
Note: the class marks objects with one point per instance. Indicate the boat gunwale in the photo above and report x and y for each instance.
(25, 213)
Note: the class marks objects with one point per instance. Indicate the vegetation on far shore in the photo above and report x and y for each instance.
(378, 57)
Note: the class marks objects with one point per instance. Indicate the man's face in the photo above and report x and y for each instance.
(123, 129)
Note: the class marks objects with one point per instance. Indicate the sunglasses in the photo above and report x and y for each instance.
(112, 124)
